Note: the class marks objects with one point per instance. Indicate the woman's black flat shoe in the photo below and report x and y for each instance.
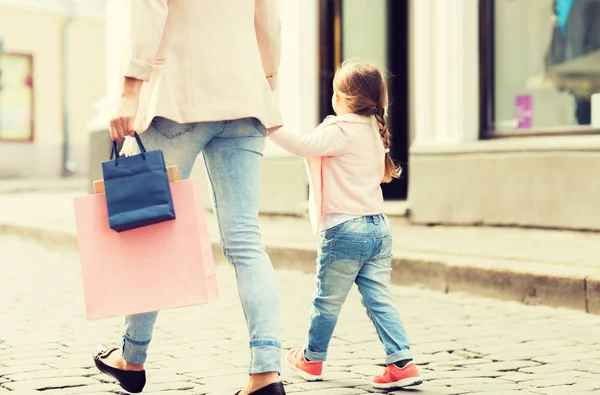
(271, 389)
(131, 381)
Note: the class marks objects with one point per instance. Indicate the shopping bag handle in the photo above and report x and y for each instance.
(115, 149)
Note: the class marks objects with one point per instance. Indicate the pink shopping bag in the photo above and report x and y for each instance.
(152, 268)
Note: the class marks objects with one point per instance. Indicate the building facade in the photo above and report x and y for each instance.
(52, 73)
(492, 106)
(506, 119)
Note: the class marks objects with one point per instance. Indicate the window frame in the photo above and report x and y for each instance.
(487, 93)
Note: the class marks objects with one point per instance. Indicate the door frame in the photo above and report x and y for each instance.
(399, 71)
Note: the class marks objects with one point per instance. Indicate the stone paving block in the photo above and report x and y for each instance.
(164, 378)
(72, 362)
(195, 352)
(466, 381)
(190, 365)
(491, 387)
(588, 384)
(21, 369)
(505, 366)
(442, 368)
(517, 377)
(103, 388)
(368, 354)
(103, 378)
(591, 368)
(588, 393)
(32, 361)
(568, 357)
(26, 348)
(506, 346)
(584, 375)
(369, 370)
(564, 389)
(457, 363)
(432, 348)
(216, 372)
(504, 392)
(424, 359)
(339, 375)
(469, 373)
(533, 354)
(336, 391)
(554, 381)
(50, 373)
(351, 362)
(31, 354)
(293, 389)
(171, 386)
(554, 368)
(178, 392)
(50, 383)
(225, 387)
(426, 389)
(347, 383)
(232, 381)
(463, 362)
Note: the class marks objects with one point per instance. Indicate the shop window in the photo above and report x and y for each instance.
(540, 66)
(16, 97)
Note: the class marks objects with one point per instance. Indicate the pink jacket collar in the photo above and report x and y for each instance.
(352, 118)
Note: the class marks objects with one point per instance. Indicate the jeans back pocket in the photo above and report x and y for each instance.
(170, 129)
(347, 255)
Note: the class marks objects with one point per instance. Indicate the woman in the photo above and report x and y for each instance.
(199, 79)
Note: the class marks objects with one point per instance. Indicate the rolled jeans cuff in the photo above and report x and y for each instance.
(265, 356)
(135, 351)
(315, 356)
(398, 356)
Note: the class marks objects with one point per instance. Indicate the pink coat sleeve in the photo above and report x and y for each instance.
(147, 26)
(329, 141)
(268, 35)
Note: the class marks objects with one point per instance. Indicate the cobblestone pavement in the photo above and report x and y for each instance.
(464, 344)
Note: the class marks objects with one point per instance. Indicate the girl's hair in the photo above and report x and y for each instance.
(363, 89)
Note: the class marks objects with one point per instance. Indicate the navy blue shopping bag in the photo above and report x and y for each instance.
(137, 189)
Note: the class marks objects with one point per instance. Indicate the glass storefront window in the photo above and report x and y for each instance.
(546, 65)
(364, 31)
(16, 97)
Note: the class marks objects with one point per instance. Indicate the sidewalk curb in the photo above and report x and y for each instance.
(439, 272)
(40, 185)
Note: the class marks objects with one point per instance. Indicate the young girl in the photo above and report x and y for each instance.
(348, 159)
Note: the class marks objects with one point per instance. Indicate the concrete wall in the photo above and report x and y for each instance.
(39, 33)
(539, 182)
(86, 71)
